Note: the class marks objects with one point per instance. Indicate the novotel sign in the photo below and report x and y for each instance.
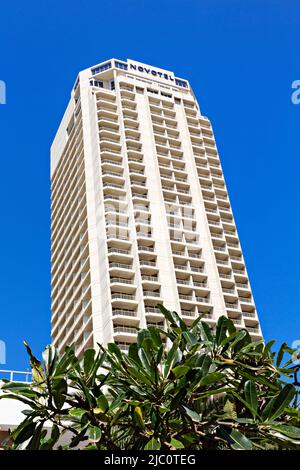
(154, 72)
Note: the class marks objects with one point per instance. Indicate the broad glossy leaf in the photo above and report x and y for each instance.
(282, 401)
(59, 391)
(211, 378)
(221, 329)
(176, 444)
(290, 431)
(192, 414)
(102, 403)
(171, 357)
(23, 432)
(207, 335)
(94, 433)
(251, 395)
(179, 371)
(153, 444)
(139, 417)
(114, 349)
(88, 360)
(241, 442)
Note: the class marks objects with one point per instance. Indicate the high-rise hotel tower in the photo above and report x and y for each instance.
(140, 211)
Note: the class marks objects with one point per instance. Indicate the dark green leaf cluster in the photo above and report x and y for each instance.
(179, 387)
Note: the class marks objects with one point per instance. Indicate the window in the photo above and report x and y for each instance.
(76, 84)
(139, 90)
(96, 83)
(177, 101)
(181, 83)
(120, 65)
(112, 85)
(101, 68)
(152, 91)
(166, 94)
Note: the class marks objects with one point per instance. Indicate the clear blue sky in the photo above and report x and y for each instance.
(240, 57)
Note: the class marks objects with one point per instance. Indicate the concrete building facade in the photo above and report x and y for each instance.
(140, 211)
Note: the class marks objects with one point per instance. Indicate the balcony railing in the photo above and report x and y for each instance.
(150, 293)
(231, 306)
(202, 299)
(120, 265)
(121, 280)
(124, 329)
(15, 375)
(122, 312)
(123, 296)
(152, 310)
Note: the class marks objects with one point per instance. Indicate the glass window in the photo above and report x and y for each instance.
(120, 65)
(101, 68)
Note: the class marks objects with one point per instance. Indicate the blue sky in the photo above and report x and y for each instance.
(240, 57)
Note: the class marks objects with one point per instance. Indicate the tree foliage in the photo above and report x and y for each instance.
(182, 387)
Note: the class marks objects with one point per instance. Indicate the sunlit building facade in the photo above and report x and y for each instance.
(140, 211)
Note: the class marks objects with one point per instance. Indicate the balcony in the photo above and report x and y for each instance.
(117, 251)
(146, 248)
(125, 316)
(121, 280)
(122, 332)
(123, 297)
(186, 297)
(120, 265)
(153, 314)
(149, 278)
(253, 329)
(231, 306)
(204, 300)
(249, 314)
(150, 293)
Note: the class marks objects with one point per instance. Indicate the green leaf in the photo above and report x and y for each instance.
(153, 444)
(236, 439)
(139, 417)
(179, 371)
(192, 414)
(115, 350)
(221, 329)
(251, 395)
(88, 360)
(176, 444)
(211, 378)
(246, 403)
(290, 431)
(206, 332)
(94, 433)
(241, 442)
(77, 412)
(167, 314)
(267, 348)
(38, 374)
(59, 391)
(171, 357)
(155, 335)
(282, 401)
(23, 432)
(35, 441)
(102, 403)
(282, 350)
